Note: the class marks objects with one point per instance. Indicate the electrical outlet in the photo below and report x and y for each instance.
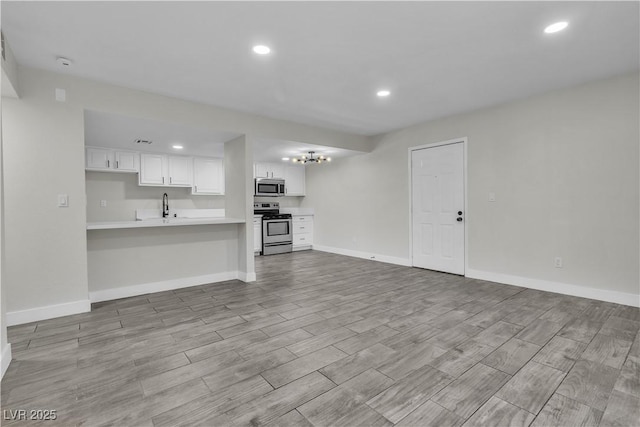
(103, 203)
(558, 262)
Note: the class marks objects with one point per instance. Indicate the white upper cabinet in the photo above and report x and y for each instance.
(269, 170)
(294, 180)
(108, 160)
(153, 169)
(98, 158)
(127, 161)
(208, 176)
(293, 175)
(180, 171)
(163, 170)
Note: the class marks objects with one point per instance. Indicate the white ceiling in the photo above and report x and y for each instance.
(110, 130)
(269, 150)
(329, 58)
(102, 129)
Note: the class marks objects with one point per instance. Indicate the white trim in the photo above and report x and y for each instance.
(557, 287)
(5, 358)
(365, 255)
(246, 277)
(165, 285)
(47, 312)
(462, 140)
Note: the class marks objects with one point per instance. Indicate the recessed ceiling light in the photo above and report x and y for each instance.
(285, 158)
(178, 147)
(262, 49)
(558, 26)
(383, 93)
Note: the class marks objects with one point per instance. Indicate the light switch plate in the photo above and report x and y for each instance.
(63, 201)
(61, 95)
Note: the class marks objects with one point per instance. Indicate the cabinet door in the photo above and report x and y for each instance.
(152, 169)
(269, 170)
(126, 161)
(302, 232)
(277, 170)
(294, 180)
(180, 172)
(99, 158)
(262, 170)
(208, 176)
(257, 235)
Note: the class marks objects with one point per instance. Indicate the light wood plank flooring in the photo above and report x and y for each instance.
(328, 340)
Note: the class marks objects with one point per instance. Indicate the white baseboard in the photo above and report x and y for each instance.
(365, 255)
(165, 285)
(247, 277)
(526, 282)
(47, 312)
(557, 287)
(5, 358)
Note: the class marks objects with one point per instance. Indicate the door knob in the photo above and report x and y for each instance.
(459, 212)
(459, 219)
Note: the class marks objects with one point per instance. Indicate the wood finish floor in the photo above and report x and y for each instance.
(326, 340)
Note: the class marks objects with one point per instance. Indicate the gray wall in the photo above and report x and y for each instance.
(46, 246)
(5, 348)
(563, 166)
(140, 256)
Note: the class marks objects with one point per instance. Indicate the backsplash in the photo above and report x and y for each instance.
(124, 196)
(285, 202)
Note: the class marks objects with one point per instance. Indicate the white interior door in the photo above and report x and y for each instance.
(437, 192)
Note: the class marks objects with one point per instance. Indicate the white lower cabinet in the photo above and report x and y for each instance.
(302, 232)
(257, 235)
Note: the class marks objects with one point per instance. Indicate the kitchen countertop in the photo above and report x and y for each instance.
(297, 211)
(162, 222)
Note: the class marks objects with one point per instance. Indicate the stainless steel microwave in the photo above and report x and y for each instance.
(269, 187)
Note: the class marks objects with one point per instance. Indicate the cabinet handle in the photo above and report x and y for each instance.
(196, 188)
(170, 180)
(117, 165)
(163, 179)
(108, 163)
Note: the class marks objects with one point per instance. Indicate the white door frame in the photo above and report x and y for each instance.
(462, 140)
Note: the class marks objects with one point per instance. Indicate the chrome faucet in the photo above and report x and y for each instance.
(165, 205)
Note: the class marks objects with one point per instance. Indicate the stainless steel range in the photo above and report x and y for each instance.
(277, 230)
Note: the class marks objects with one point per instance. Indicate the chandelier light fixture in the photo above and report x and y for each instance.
(310, 158)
